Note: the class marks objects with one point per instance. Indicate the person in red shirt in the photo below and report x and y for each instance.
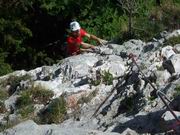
(75, 42)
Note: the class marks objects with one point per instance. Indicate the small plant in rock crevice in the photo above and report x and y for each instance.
(27, 111)
(33, 95)
(177, 91)
(107, 78)
(2, 107)
(55, 111)
(14, 82)
(3, 94)
(172, 41)
(95, 82)
(41, 95)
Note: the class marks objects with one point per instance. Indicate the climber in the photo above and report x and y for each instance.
(75, 44)
(166, 54)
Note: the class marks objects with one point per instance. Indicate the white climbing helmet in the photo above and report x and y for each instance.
(74, 26)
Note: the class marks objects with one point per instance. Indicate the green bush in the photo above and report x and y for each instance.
(33, 95)
(173, 41)
(4, 67)
(107, 78)
(14, 81)
(146, 29)
(24, 100)
(55, 112)
(41, 95)
(3, 94)
(177, 91)
(151, 20)
(2, 107)
(26, 111)
(95, 82)
(151, 98)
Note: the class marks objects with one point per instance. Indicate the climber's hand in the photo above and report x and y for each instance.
(102, 42)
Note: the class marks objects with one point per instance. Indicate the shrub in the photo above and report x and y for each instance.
(95, 82)
(28, 97)
(26, 111)
(3, 94)
(151, 98)
(155, 19)
(2, 107)
(24, 100)
(177, 91)
(146, 29)
(4, 67)
(41, 95)
(34, 95)
(107, 78)
(55, 112)
(173, 41)
(14, 81)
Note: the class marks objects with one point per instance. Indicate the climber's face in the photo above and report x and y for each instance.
(75, 33)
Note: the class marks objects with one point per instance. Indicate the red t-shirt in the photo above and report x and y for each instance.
(74, 43)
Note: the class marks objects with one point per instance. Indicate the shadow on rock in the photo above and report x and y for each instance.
(148, 123)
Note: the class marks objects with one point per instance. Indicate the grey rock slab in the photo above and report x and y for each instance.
(31, 128)
(177, 48)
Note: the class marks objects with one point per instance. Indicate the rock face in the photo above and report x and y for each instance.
(31, 128)
(84, 81)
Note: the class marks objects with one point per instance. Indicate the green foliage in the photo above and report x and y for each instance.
(105, 23)
(24, 35)
(146, 29)
(4, 67)
(55, 112)
(14, 81)
(107, 78)
(26, 111)
(2, 107)
(33, 95)
(151, 98)
(173, 41)
(150, 20)
(3, 94)
(177, 91)
(95, 82)
(24, 100)
(41, 95)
